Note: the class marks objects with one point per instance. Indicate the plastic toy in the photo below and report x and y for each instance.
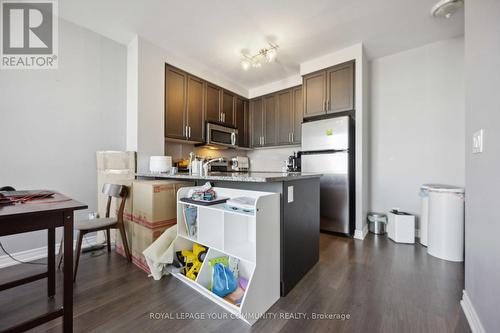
(192, 260)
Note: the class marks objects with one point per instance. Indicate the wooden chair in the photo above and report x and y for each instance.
(107, 223)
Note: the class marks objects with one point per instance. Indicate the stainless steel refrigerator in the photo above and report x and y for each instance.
(328, 148)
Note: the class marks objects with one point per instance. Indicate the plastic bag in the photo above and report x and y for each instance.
(223, 280)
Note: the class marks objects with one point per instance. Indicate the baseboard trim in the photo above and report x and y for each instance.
(471, 314)
(361, 234)
(38, 253)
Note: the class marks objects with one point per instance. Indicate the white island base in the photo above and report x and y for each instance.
(252, 237)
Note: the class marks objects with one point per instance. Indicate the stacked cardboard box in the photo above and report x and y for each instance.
(113, 167)
(154, 209)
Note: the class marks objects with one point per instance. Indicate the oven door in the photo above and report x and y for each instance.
(218, 135)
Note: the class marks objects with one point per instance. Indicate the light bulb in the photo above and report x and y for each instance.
(256, 63)
(245, 64)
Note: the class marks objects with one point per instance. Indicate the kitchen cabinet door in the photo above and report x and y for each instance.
(228, 108)
(340, 88)
(314, 90)
(213, 103)
(285, 117)
(298, 107)
(175, 103)
(270, 121)
(257, 118)
(241, 115)
(195, 114)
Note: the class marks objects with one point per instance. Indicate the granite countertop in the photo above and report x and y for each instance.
(256, 177)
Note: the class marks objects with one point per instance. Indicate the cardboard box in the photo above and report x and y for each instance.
(155, 202)
(143, 237)
(129, 231)
(114, 167)
(116, 160)
(139, 262)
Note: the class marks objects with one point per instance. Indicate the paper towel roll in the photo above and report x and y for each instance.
(159, 164)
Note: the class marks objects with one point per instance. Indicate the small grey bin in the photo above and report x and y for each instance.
(377, 223)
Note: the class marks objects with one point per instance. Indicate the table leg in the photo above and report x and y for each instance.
(68, 273)
(51, 262)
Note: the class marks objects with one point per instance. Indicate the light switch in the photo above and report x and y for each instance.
(477, 142)
(290, 194)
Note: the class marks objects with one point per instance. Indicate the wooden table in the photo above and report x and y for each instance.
(39, 215)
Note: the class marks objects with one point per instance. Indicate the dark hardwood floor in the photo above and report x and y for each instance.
(382, 286)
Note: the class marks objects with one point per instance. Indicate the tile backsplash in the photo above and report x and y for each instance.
(181, 150)
(270, 159)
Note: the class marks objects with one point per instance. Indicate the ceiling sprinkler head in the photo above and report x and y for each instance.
(446, 8)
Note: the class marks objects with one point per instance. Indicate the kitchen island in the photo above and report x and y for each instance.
(299, 213)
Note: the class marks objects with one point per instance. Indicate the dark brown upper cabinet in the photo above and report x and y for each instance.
(175, 103)
(257, 122)
(314, 86)
(227, 114)
(184, 106)
(195, 109)
(298, 114)
(329, 91)
(285, 117)
(213, 103)
(241, 114)
(191, 101)
(340, 88)
(276, 119)
(270, 121)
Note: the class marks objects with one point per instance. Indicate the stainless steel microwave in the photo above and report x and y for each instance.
(221, 136)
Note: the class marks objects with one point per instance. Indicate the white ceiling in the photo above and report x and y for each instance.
(213, 32)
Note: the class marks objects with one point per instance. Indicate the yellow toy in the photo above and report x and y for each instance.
(193, 260)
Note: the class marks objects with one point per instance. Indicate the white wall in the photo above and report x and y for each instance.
(53, 121)
(482, 220)
(291, 81)
(417, 123)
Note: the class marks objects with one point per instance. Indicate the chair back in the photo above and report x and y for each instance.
(115, 191)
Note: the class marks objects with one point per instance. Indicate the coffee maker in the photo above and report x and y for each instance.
(293, 164)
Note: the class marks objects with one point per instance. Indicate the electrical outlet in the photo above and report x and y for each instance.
(290, 194)
(477, 142)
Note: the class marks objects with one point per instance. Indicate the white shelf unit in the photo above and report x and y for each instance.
(253, 238)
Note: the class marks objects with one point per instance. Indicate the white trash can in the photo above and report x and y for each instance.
(424, 214)
(446, 222)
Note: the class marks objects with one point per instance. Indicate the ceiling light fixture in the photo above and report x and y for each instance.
(446, 8)
(265, 55)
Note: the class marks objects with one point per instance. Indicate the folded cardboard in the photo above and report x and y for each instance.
(154, 202)
(114, 167)
(116, 160)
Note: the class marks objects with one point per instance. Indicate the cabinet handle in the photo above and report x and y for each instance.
(324, 105)
(289, 137)
(189, 135)
(186, 129)
(223, 117)
(292, 136)
(328, 105)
